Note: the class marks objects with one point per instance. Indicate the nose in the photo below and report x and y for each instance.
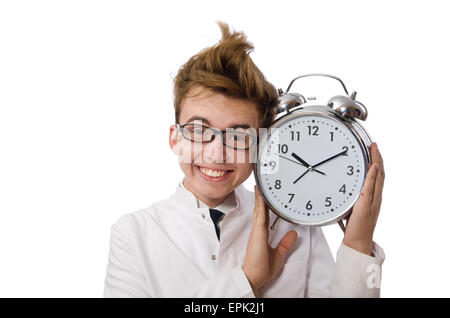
(214, 151)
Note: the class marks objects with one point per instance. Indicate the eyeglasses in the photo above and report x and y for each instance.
(235, 138)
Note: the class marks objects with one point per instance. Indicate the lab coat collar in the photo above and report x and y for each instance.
(227, 205)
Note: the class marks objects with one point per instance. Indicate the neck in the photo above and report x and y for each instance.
(210, 202)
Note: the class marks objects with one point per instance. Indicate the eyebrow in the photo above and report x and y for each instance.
(193, 118)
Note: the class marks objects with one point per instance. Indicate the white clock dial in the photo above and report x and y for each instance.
(311, 170)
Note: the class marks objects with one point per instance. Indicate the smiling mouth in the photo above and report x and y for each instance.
(213, 173)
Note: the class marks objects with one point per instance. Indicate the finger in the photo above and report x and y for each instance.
(255, 209)
(367, 190)
(267, 216)
(260, 218)
(286, 243)
(379, 183)
(381, 162)
(376, 157)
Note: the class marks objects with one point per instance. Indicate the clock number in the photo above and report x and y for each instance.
(331, 133)
(283, 148)
(351, 170)
(292, 196)
(295, 134)
(328, 201)
(342, 189)
(272, 164)
(311, 132)
(278, 184)
(308, 205)
(346, 150)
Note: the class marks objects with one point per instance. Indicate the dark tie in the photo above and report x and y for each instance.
(216, 215)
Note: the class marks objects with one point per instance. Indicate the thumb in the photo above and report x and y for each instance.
(283, 247)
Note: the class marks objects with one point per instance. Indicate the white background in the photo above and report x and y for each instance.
(86, 103)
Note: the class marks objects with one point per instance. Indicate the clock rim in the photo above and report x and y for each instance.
(359, 132)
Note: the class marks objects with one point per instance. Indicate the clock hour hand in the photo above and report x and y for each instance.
(328, 159)
(307, 165)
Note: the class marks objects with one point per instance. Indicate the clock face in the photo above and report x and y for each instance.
(311, 169)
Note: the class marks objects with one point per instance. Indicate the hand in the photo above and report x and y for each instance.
(361, 225)
(262, 262)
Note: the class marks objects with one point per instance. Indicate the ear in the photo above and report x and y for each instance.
(174, 141)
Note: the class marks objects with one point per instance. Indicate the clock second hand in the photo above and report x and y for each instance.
(298, 163)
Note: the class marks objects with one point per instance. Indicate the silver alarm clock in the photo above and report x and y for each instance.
(312, 160)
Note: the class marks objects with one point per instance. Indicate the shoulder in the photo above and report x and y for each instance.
(138, 221)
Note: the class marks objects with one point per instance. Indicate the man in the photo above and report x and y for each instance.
(204, 241)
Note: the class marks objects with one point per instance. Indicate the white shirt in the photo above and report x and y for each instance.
(170, 249)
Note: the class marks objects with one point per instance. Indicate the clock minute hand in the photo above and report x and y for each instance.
(328, 159)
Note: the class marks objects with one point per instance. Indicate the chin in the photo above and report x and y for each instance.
(214, 181)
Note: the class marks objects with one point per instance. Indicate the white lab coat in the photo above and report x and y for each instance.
(170, 249)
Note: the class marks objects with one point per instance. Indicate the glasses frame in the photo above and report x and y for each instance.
(216, 132)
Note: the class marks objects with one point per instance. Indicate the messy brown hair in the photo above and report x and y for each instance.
(227, 68)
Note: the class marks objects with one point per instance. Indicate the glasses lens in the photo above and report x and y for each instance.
(239, 140)
(199, 133)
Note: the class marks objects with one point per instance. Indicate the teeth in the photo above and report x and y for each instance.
(212, 173)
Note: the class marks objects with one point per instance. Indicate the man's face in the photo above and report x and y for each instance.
(213, 170)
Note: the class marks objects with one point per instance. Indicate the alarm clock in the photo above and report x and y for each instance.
(312, 160)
